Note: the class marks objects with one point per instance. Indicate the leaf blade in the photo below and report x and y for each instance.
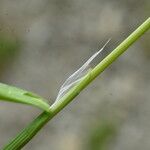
(17, 95)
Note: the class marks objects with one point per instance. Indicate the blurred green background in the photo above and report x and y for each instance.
(43, 41)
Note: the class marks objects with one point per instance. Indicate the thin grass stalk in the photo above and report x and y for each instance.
(30, 131)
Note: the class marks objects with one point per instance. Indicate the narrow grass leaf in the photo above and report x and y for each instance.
(13, 94)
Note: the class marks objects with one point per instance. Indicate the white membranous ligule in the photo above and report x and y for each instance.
(78, 75)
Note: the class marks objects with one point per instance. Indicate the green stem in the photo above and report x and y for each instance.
(28, 133)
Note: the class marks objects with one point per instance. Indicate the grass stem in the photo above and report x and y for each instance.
(28, 133)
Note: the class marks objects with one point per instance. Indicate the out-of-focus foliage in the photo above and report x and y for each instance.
(9, 47)
(101, 136)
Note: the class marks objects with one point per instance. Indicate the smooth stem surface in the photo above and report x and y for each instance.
(27, 134)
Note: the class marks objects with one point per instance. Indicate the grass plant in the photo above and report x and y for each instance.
(34, 127)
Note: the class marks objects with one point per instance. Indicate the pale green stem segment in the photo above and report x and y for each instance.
(26, 135)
